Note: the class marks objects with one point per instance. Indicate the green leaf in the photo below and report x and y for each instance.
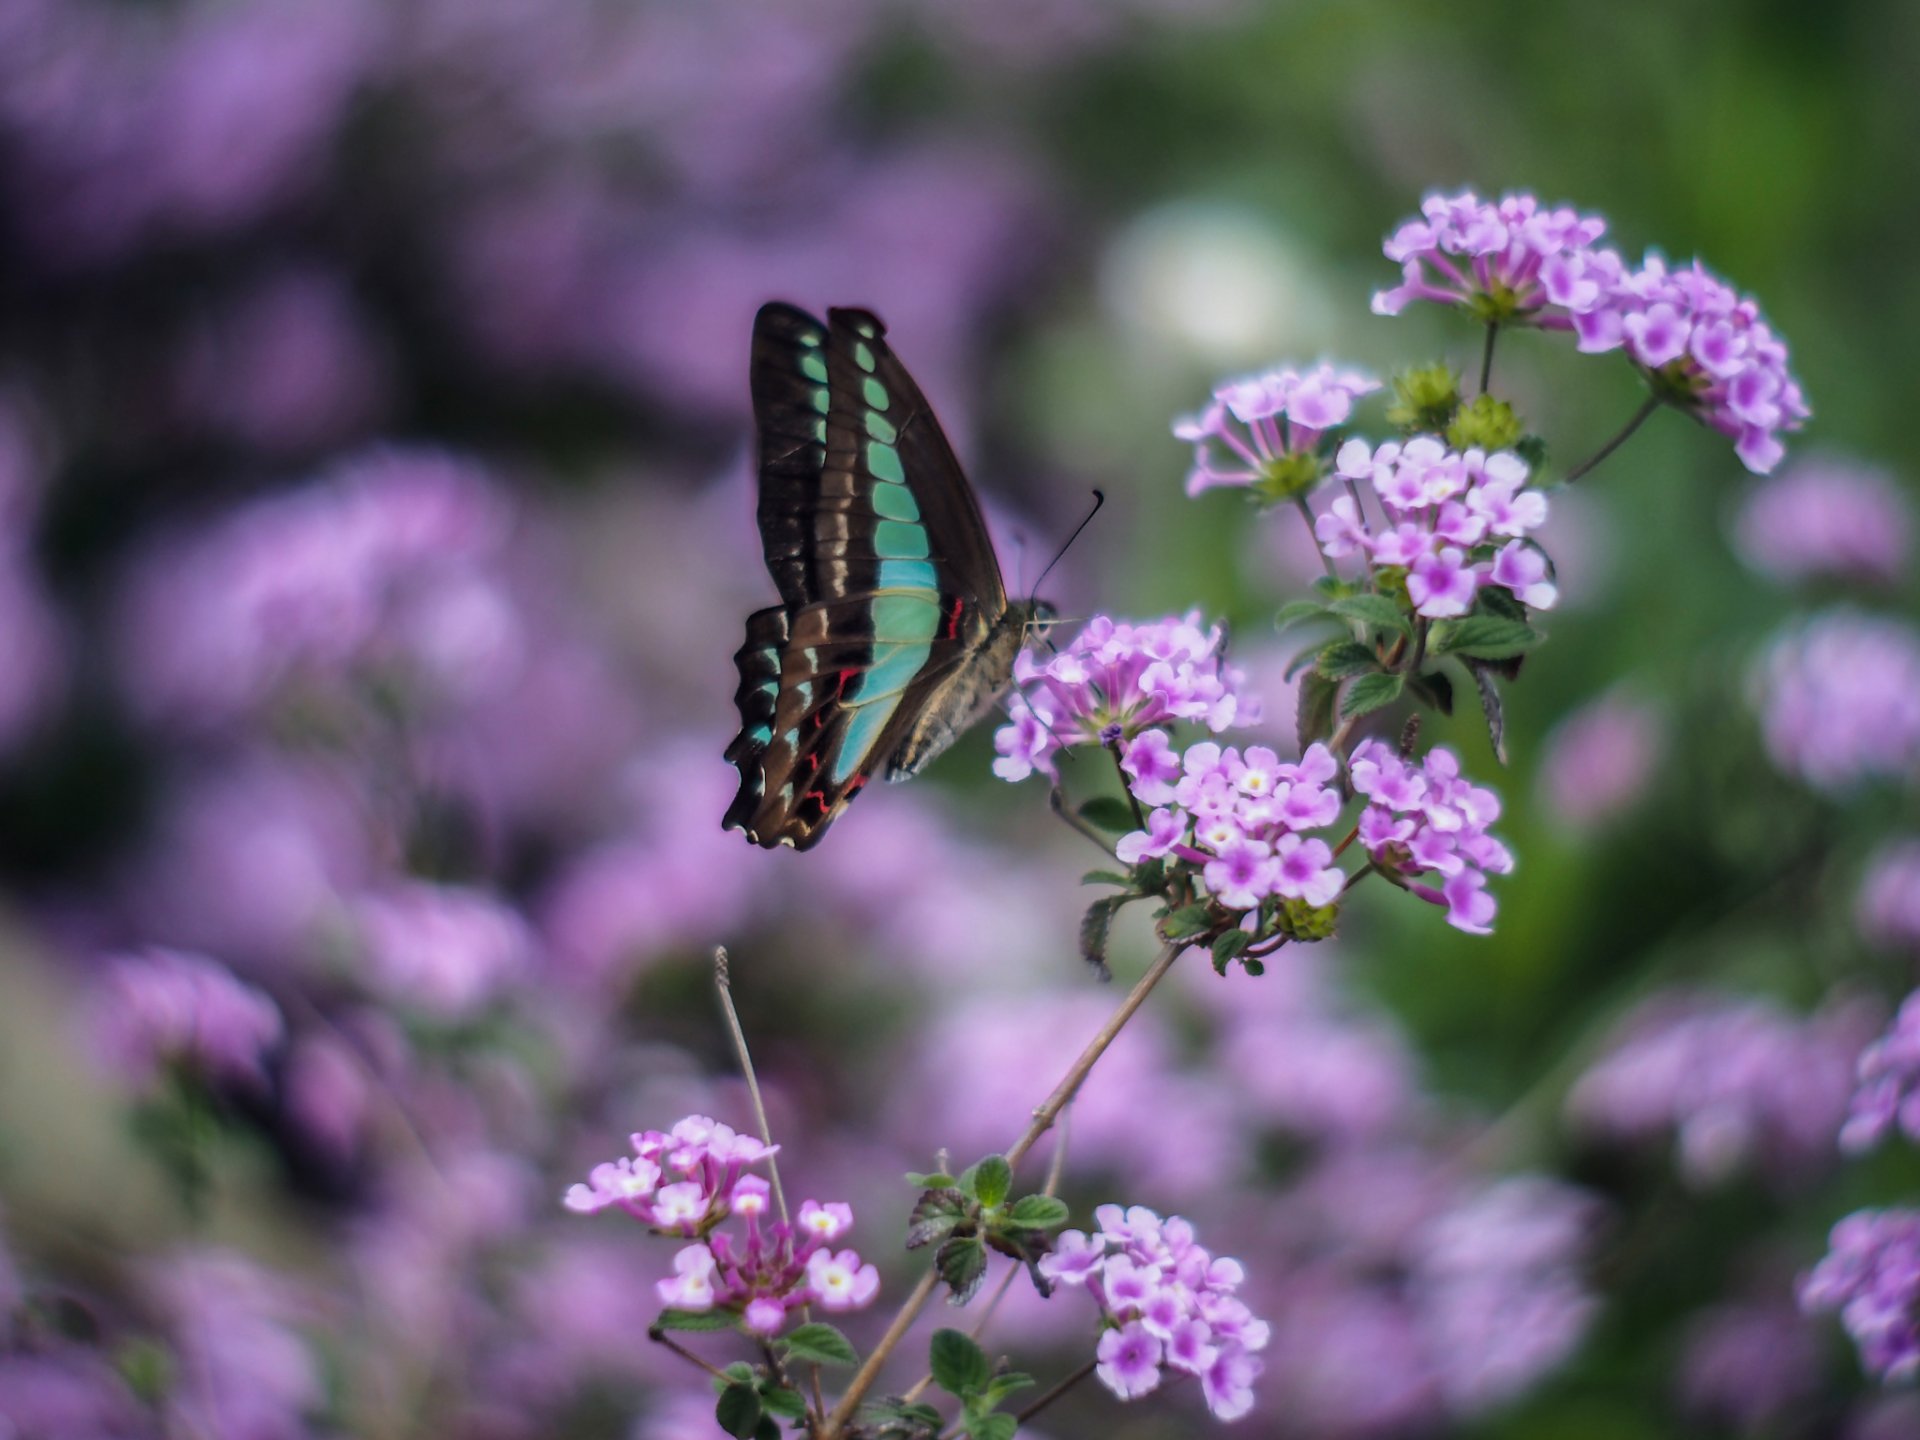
(1484, 637)
(1490, 706)
(1001, 1386)
(1294, 611)
(788, 1404)
(962, 1264)
(1094, 928)
(897, 1417)
(1496, 600)
(959, 1366)
(1369, 693)
(1332, 587)
(1109, 812)
(1107, 877)
(938, 1180)
(1226, 945)
(1313, 714)
(695, 1320)
(1187, 921)
(992, 1179)
(738, 1412)
(1433, 689)
(1344, 658)
(935, 1216)
(993, 1427)
(817, 1343)
(1375, 610)
(1038, 1212)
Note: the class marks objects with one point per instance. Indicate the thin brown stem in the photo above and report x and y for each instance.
(723, 987)
(869, 1370)
(1076, 1076)
(1486, 357)
(1057, 802)
(660, 1337)
(1126, 789)
(1056, 1392)
(1625, 433)
(1306, 514)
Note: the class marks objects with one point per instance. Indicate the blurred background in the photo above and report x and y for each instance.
(378, 529)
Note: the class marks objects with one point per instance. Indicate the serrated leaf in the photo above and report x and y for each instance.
(962, 1264)
(1108, 877)
(817, 1343)
(738, 1411)
(1186, 922)
(993, 1427)
(1226, 945)
(1095, 926)
(1490, 706)
(787, 1404)
(1038, 1212)
(1375, 610)
(1108, 812)
(1483, 637)
(1313, 712)
(938, 1180)
(992, 1180)
(1294, 611)
(897, 1417)
(1344, 658)
(1433, 690)
(696, 1320)
(959, 1365)
(935, 1215)
(1369, 693)
(1497, 600)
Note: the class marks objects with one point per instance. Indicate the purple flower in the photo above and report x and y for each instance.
(1129, 1361)
(1445, 829)
(245, 1366)
(164, 1008)
(840, 1281)
(1266, 428)
(1596, 763)
(1839, 699)
(1510, 261)
(1115, 673)
(1738, 1082)
(1442, 584)
(1746, 1364)
(442, 948)
(1871, 1277)
(1888, 1094)
(1827, 517)
(1888, 907)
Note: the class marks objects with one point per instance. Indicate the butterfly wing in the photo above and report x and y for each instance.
(885, 572)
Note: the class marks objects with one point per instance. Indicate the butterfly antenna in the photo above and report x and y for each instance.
(1099, 499)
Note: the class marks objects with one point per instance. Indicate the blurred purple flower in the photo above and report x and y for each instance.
(1888, 907)
(1870, 1276)
(330, 1094)
(1747, 1364)
(67, 1393)
(1838, 695)
(1741, 1084)
(245, 1369)
(1598, 761)
(443, 949)
(289, 364)
(1827, 517)
(165, 1008)
(1888, 1093)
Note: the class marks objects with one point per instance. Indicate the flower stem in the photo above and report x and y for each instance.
(1139, 816)
(1486, 357)
(1306, 514)
(1647, 407)
(660, 1337)
(1049, 1110)
(1057, 802)
(1056, 1392)
(723, 986)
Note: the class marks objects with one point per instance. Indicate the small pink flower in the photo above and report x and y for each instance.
(691, 1285)
(1442, 585)
(841, 1282)
(826, 1222)
(1129, 1361)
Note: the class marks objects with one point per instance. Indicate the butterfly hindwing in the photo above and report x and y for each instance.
(885, 572)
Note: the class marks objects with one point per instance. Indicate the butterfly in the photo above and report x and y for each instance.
(894, 632)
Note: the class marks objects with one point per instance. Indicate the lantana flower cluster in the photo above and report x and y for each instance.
(1871, 1277)
(1429, 819)
(168, 1008)
(1169, 1306)
(777, 1266)
(1839, 699)
(1888, 1097)
(1455, 520)
(1264, 429)
(1702, 345)
(1115, 680)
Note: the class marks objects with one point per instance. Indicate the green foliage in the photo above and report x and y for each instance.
(959, 1365)
(1424, 400)
(1038, 1212)
(1483, 637)
(1379, 612)
(1313, 710)
(992, 1178)
(695, 1320)
(817, 1343)
(1108, 812)
(1345, 658)
(1187, 922)
(1486, 423)
(961, 1368)
(1370, 693)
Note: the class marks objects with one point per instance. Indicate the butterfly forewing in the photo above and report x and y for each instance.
(883, 564)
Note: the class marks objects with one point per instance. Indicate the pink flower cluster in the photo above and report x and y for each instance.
(1888, 908)
(1263, 419)
(1839, 699)
(1240, 819)
(1888, 1097)
(1114, 681)
(166, 1007)
(1871, 1276)
(1168, 1305)
(775, 1268)
(1827, 517)
(1440, 505)
(1513, 261)
(1429, 818)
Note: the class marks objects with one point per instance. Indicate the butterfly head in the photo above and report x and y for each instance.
(1036, 618)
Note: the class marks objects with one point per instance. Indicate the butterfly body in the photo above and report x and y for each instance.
(894, 632)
